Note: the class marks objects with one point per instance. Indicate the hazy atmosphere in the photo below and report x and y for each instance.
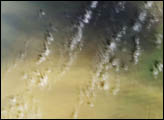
(82, 59)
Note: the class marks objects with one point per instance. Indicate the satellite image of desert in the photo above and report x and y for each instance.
(82, 59)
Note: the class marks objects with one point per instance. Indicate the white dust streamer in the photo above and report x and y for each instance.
(77, 39)
(137, 28)
(103, 65)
